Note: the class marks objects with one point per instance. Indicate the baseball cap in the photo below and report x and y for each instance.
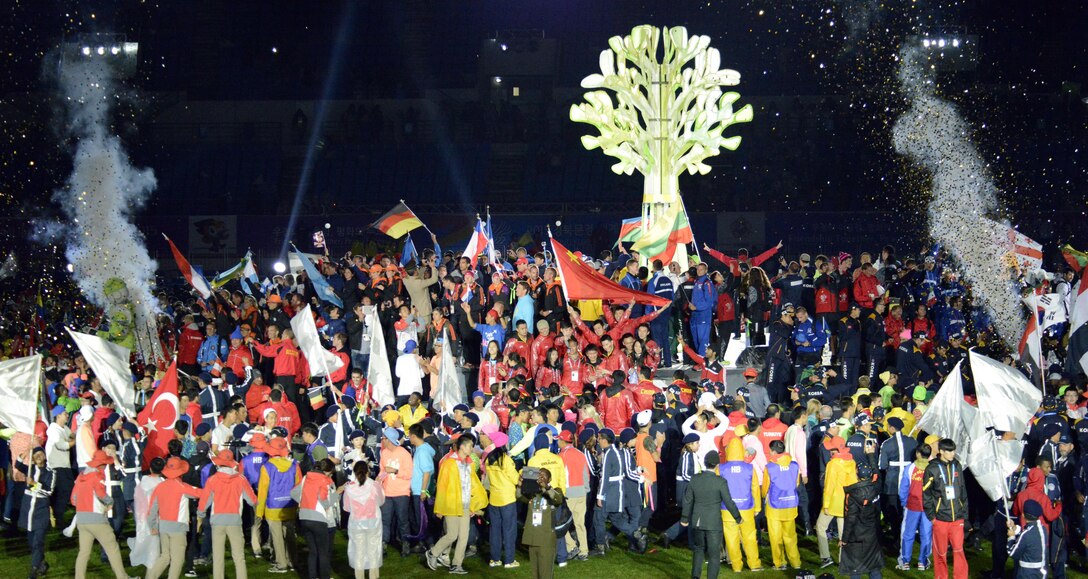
(751, 373)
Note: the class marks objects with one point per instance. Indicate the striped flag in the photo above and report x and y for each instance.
(397, 222)
(1031, 345)
(670, 230)
(231, 274)
(191, 274)
(1077, 360)
(477, 243)
(1028, 252)
(1076, 259)
(321, 286)
(630, 230)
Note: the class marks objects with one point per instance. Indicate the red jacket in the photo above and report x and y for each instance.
(734, 264)
(340, 375)
(539, 351)
(491, 372)
(224, 494)
(773, 429)
(238, 359)
(727, 310)
(574, 375)
(89, 496)
(546, 376)
(893, 328)
(256, 396)
(169, 505)
(521, 348)
(189, 344)
(1035, 491)
(865, 290)
(286, 354)
(643, 394)
(616, 410)
(612, 362)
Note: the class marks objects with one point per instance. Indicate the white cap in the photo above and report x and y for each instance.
(643, 418)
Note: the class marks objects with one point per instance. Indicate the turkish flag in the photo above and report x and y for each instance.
(158, 417)
(581, 282)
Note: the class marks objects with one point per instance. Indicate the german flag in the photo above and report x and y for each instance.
(397, 222)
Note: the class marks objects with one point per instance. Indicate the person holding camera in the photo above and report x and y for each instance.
(535, 488)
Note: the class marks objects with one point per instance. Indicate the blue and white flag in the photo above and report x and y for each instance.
(324, 290)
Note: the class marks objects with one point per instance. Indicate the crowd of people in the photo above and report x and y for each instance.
(581, 422)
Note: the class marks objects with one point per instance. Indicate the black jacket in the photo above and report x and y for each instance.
(702, 506)
(934, 497)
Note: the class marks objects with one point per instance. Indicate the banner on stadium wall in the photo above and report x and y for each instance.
(212, 236)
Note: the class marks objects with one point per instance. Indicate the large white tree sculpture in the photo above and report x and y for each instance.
(668, 114)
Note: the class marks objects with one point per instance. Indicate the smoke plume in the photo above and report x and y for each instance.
(964, 209)
(99, 199)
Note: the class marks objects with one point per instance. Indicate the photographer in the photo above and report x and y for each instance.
(539, 533)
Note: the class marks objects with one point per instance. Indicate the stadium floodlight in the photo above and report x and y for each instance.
(114, 49)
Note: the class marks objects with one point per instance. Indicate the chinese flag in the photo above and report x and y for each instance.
(158, 417)
(581, 282)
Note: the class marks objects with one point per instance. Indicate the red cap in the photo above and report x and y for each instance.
(751, 373)
(566, 437)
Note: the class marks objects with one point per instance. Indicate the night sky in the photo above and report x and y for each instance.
(280, 50)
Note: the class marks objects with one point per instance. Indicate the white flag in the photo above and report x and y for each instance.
(1006, 400)
(450, 392)
(378, 374)
(1052, 307)
(20, 379)
(949, 415)
(322, 362)
(110, 363)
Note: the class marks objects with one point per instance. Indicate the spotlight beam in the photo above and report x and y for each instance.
(332, 78)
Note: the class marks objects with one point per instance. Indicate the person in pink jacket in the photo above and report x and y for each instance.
(363, 499)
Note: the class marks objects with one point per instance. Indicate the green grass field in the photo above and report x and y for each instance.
(672, 563)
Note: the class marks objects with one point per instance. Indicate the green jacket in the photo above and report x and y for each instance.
(543, 534)
(706, 497)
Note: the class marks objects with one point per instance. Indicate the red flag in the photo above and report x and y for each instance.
(581, 282)
(191, 275)
(158, 417)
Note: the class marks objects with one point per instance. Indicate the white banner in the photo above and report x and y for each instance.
(110, 363)
(948, 415)
(1006, 400)
(378, 374)
(450, 392)
(19, 385)
(322, 362)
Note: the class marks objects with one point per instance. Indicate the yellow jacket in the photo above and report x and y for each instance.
(544, 458)
(907, 418)
(502, 477)
(590, 310)
(840, 474)
(408, 418)
(447, 500)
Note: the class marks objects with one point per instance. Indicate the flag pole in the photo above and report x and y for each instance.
(688, 219)
(417, 217)
(1039, 341)
(558, 270)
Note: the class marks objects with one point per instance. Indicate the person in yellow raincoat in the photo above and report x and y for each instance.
(459, 495)
(841, 473)
(780, 480)
(744, 488)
